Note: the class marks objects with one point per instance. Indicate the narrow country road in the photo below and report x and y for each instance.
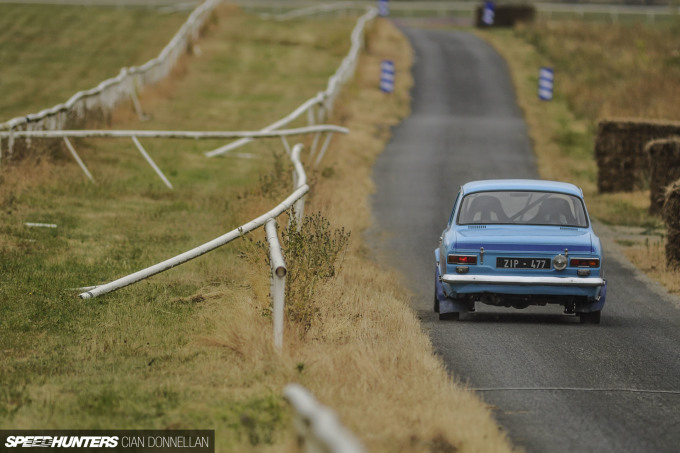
(556, 385)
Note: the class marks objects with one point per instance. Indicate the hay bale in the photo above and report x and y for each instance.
(673, 249)
(671, 215)
(506, 15)
(622, 164)
(664, 167)
(671, 206)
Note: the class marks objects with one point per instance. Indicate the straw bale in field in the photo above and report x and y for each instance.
(671, 215)
(671, 206)
(506, 15)
(673, 249)
(664, 168)
(622, 164)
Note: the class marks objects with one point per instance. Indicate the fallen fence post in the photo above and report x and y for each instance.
(195, 252)
(278, 281)
(40, 225)
(293, 199)
(318, 428)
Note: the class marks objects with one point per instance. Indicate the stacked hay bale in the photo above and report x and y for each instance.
(622, 163)
(671, 215)
(664, 166)
(507, 15)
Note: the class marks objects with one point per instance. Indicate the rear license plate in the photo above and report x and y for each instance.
(523, 263)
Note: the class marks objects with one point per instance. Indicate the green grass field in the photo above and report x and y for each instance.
(131, 359)
(49, 53)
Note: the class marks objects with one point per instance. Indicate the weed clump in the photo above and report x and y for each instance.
(274, 184)
(313, 253)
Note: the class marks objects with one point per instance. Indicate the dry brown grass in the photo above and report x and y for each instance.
(607, 70)
(649, 256)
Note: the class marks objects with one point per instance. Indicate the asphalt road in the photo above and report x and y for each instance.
(556, 385)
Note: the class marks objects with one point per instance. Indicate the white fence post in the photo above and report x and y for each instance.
(318, 428)
(323, 149)
(299, 179)
(151, 162)
(79, 161)
(278, 281)
(135, 102)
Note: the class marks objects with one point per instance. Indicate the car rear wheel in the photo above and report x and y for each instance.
(590, 318)
(449, 316)
(436, 289)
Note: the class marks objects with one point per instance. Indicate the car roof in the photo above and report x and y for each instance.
(521, 185)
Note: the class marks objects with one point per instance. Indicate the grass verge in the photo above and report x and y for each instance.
(613, 70)
(192, 348)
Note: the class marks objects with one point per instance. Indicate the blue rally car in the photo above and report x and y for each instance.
(515, 243)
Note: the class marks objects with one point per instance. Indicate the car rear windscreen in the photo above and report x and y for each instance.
(522, 208)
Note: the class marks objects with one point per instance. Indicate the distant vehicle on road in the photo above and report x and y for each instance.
(516, 243)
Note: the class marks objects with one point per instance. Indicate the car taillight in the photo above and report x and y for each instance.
(462, 259)
(584, 262)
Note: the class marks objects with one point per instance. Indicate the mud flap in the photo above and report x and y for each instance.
(597, 305)
(446, 304)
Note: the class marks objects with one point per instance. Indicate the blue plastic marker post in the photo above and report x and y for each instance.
(546, 81)
(488, 13)
(383, 8)
(387, 76)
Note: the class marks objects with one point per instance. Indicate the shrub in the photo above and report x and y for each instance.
(313, 254)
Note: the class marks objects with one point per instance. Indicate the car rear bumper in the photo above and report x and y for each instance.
(455, 292)
(583, 282)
